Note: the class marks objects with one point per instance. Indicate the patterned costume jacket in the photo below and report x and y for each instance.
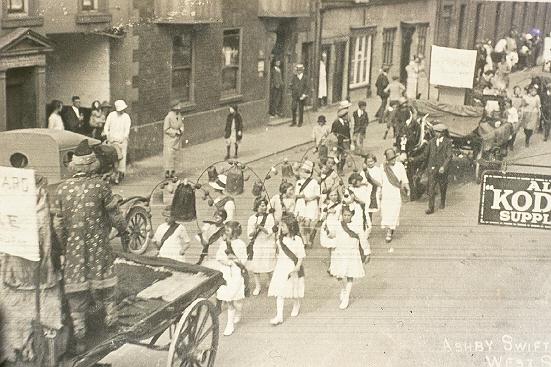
(85, 212)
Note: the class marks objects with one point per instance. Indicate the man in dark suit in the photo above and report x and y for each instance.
(438, 156)
(381, 84)
(73, 117)
(341, 129)
(299, 92)
(276, 89)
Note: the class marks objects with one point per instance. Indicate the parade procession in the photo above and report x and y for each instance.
(275, 183)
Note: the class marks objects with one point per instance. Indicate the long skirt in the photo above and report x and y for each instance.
(390, 212)
(170, 158)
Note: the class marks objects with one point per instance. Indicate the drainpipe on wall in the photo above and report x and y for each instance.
(317, 51)
(435, 40)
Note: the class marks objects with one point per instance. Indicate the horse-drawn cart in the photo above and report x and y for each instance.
(175, 303)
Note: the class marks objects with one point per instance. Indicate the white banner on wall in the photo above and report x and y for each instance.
(547, 49)
(452, 67)
(18, 221)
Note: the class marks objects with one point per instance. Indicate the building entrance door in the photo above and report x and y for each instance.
(407, 38)
(20, 99)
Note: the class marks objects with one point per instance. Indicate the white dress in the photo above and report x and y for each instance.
(362, 193)
(346, 260)
(285, 282)
(307, 210)
(264, 248)
(391, 198)
(208, 230)
(173, 244)
(275, 203)
(377, 174)
(322, 88)
(234, 289)
(331, 219)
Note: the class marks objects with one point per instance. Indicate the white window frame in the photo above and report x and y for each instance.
(17, 13)
(361, 60)
(191, 68)
(95, 5)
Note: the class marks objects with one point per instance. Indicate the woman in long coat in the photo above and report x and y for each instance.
(173, 129)
(531, 113)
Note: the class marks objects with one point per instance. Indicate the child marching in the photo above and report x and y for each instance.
(372, 177)
(284, 202)
(330, 216)
(231, 256)
(288, 278)
(306, 207)
(171, 238)
(349, 255)
(212, 232)
(261, 251)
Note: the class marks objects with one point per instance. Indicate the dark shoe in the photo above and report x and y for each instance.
(293, 124)
(227, 157)
(235, 156)
(299, 125)
(429, 211)
(442, 206)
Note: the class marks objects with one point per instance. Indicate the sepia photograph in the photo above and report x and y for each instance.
(275, 183)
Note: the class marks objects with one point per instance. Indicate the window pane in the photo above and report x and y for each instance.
(230, 47)
(182, 50)
(181, 83)
(16, 6)
(89, 5)
(229, 78)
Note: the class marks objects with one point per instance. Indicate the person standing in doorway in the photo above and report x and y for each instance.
(381, 84)
(322, 86)
(299, 93)
(55, 121)
(412, 71)
(73, 117)
(117, 131)
(276, 89)
(173, 130)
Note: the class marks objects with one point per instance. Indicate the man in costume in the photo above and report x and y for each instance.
(85, 210)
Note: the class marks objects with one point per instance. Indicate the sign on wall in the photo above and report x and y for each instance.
(515, 199)
(18, 221)
(452, 67)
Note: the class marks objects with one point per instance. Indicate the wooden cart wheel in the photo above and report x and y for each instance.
(195, 340)
(139, 229)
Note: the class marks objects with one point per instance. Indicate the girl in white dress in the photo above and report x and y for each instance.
(171, 238)
(231, 256)
(394, 181)
(349, 256)
(307, 194)
(284, 202)
(330, 217)
(261, 250)
(288, 278)
(211, 234)
(372, 177)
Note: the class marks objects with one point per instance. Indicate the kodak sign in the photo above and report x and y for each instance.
(515, 199)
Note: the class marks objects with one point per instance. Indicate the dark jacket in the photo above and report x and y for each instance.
(277, 79)
(71, 120)
(299, 86)
(381, 84)
(238, 126)
(341, 131)
(360, 123)
(438, 156)
(410, 134)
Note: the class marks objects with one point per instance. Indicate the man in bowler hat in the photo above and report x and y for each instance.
(299, 93)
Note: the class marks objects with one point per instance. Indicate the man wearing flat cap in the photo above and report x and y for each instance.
(299, 93)
(437, 155)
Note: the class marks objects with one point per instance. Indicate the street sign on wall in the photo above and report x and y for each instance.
(18, 221)
(515, 199)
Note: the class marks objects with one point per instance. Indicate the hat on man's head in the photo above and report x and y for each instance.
(307, 166)
(105, 104)
(175, 105)
(219, 183)
(440, 127)
(84, 155)
(321, 118)
(390, 154)
(344, 104)
(120, 105)
(362, 104)
(300, 66)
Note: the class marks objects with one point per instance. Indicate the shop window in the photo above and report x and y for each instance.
(231, 65)
(422, 31)
(389, 36)
(17, 7)
(182, 67)
(361, 60)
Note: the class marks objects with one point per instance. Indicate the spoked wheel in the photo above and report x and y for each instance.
(195, 340)
(139, 229)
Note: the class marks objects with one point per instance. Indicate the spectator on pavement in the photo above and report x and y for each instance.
(276, 89)
(512, 117)
(173, 130)
(412, 70)
(320, 132)
(395, 91)
(73, 117)
(361, 120)
(97, 120)
(55, 121)
(233, 133)
(299, 93)
(117, 131)
(381, 84)
(530, 113)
